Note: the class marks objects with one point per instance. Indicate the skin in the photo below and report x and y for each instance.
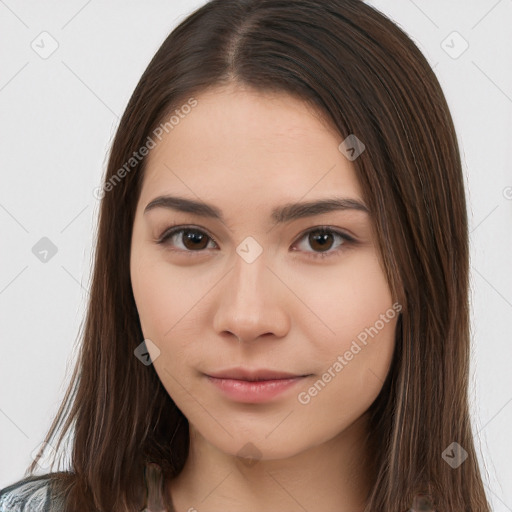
(247, 152)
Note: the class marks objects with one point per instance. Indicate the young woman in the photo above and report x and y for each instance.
(279, 308)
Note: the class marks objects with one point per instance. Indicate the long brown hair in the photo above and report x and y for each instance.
(369, 79)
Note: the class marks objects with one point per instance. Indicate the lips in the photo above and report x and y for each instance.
(254, 386)
(252, 375)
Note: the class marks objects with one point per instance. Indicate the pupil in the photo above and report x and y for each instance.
(194, 237)
(320, 239)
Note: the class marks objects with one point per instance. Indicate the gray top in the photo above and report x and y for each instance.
(28, 495)
(32, 494)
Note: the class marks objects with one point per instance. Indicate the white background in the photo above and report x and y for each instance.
(59, 115)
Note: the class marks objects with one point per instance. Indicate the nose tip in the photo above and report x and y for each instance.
(246, 306)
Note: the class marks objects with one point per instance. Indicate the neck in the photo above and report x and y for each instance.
(334, 475)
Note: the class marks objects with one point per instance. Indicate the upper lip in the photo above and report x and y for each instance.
(253, 374)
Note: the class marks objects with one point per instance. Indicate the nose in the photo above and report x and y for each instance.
(252, 302)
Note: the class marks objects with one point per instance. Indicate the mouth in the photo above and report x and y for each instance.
(254, 375)
(257, 386)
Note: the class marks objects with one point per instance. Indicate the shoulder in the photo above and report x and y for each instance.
(28, 494)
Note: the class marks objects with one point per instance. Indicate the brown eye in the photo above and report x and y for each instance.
(186, 239)
(322, 240)
(194, 239)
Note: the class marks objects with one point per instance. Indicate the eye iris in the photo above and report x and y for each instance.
(194, 237)
(320, 239)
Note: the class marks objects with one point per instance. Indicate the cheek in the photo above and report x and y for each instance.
(355, 353)
(353, 373)
(171, 302)
(344, 301)
(153, 300)
(162, 303)
(162, 294)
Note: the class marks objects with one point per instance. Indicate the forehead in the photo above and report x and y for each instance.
(255, 146)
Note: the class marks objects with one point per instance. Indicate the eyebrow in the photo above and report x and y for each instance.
(280, 215)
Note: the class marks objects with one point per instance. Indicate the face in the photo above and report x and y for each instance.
(302, 288)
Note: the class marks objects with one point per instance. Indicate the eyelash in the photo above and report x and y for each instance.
(173, 230)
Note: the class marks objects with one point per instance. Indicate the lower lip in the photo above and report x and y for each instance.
(253, 391)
